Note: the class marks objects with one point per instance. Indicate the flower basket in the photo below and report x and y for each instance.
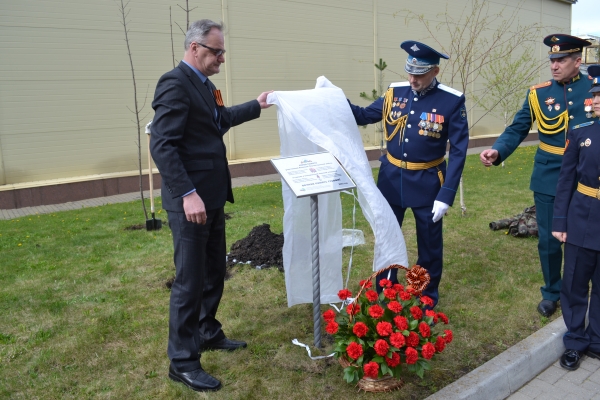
(380, 337)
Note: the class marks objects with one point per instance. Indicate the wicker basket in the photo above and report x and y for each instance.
(418, 279)
(385, 384)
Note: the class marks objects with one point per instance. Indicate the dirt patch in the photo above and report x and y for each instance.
(261, 248)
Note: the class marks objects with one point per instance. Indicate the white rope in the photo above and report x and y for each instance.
(297, 343)
(353, 228)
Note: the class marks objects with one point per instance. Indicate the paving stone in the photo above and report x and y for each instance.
(530, 390)
(577, 377)
(552, 374)
(573, 390)
(518, 396)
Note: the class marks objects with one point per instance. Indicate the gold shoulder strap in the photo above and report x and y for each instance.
(544, 123)
(399, 123)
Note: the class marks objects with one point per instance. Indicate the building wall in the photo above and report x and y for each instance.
(66, 91)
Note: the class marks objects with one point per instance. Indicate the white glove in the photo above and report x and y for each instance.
(439, 210)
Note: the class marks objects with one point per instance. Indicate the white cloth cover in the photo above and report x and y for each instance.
(312, 121)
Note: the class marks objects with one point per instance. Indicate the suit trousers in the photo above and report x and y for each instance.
(199, 256)
(549, 248)
(430, 248)
(581, 266)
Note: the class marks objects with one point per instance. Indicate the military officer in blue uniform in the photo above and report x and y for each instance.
(576, 216)
(556, 105)
(421, 116)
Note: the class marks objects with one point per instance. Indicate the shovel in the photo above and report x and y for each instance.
(151, 224)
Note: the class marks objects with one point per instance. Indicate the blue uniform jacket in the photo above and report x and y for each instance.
(574, 212)
(408, 188)
(553, 99)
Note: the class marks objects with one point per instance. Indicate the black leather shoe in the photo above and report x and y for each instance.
(223, 344)
(571, 359)
(593, 354)
(197, 380)
(546, 307)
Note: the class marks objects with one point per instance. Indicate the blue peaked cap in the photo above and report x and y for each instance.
(594, 72)
(421, 58)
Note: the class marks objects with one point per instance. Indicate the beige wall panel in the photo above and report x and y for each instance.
(65, 79)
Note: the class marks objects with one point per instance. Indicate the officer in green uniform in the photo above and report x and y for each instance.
(556, 105)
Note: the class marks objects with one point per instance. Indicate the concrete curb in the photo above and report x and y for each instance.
(506, 373)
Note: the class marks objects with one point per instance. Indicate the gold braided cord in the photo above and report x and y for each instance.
(544, 124)
(552, 149)
(413, 165)
(588, 191)
(399, 123)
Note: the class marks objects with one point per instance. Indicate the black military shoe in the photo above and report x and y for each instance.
(571, 359)
(546, 307)
(223, 344)
(593, 354)
(197, 380)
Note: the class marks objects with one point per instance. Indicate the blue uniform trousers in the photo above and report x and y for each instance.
(549, 248)
(430, 248)
(581, 266)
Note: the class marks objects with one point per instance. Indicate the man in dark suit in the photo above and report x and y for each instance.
(187, 146)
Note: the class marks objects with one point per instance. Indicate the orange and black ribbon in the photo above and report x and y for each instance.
(218, 98)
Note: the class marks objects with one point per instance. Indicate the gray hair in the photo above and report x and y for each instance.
(198, 31)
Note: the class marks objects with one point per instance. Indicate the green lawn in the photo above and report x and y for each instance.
(84, 307)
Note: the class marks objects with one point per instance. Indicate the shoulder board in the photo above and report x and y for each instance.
(541, 85)
(399, 84)
(583, 125)
(449, 90)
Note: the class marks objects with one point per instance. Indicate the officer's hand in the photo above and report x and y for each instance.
(193, 206)
(262, 99)
(488, 156)
(560, 236)
(439, 210)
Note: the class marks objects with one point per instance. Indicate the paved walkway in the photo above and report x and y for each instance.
(528, 370)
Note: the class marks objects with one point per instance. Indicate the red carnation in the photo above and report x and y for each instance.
(448, 337)
(411, 290)
(376, 311)
(440, 344)
(394, 361)
(404, 296)
(431, 313)
(443, 317)
(385, 283)
(427, 301)
(344, 294)
(371, 295)
(412, 340)
(371, 370)
(416, 312)
(424, 329)
(401, 322)
(390, 293)
(398, 287)
(353, 309)
(360, 329)
(397, 340)
(411, 355)
(354, 350)
(365, 283)
(332, 328)
(395, 306)
(381, 347)
(427, 351)
(329, 315)
(384, 328)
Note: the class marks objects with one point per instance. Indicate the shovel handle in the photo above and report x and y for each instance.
(150, 177)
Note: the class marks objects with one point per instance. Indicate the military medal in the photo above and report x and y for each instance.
(557, 106)
(588, 107)
(421, 132)
(436, 125)
(588, 142)
(403, 103)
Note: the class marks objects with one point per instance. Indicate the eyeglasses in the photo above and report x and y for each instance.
(216, 52)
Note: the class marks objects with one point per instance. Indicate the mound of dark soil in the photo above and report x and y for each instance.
(261, 247)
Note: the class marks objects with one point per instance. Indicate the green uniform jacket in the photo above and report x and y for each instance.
(553, 98)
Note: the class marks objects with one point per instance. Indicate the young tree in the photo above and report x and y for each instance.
(480, 42)
(375, 94)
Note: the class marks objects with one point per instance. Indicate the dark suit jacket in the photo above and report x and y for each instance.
(186, 142)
